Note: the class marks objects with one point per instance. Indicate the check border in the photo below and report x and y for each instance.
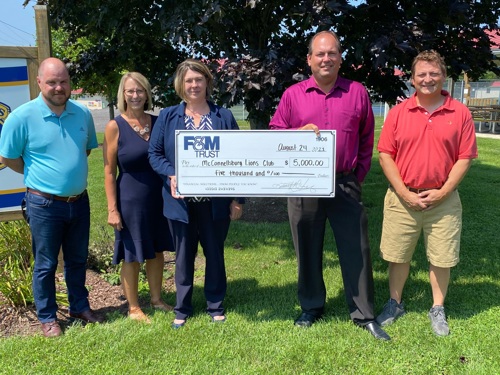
(258, 163)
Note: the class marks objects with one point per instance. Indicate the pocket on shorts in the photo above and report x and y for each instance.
(391, 199)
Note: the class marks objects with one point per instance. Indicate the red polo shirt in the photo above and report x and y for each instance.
(424, 145)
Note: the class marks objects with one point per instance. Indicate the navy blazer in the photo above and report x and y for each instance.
(162, 157)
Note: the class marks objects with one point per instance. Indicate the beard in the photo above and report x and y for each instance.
(58, 100)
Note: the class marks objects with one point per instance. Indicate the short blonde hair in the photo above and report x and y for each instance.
(141, 80)
(429, 56)
(195, 66)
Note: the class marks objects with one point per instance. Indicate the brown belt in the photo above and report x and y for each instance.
(70, 199)
(415, 190)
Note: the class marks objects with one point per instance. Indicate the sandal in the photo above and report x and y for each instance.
(137, 314)
(160, 305)
(178, 325)
(222, 319)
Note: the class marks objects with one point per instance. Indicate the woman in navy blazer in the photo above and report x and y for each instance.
(194, 219)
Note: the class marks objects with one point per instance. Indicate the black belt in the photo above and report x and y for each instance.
(342, 174)
(70, 199)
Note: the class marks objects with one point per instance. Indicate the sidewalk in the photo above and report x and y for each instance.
(488, 135)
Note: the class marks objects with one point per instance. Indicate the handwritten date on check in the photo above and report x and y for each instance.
(266, 163)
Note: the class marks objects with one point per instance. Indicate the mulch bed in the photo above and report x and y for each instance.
(105, 298)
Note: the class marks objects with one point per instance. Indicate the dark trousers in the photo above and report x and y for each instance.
(211, 234)
(348, 221)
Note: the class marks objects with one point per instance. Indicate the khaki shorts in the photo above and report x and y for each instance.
(441, 227)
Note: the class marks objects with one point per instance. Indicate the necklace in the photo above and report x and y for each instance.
(142, 131)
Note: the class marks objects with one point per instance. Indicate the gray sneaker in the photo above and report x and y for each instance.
(438, 321)
(391, 311)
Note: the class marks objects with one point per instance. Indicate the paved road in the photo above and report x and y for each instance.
(101, 117)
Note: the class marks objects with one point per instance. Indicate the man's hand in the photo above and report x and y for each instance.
(236, 210)
(431, 198)
(310, 127)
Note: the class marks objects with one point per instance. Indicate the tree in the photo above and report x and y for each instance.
(102, 41)
(264, 43)
(393, 33)
(258, 48)
(69, 50)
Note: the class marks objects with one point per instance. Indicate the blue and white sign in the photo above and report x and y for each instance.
(14, 91)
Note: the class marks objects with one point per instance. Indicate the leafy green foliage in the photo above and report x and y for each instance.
(16, 263)
(101, 252)
(258, 48)
(111, 41)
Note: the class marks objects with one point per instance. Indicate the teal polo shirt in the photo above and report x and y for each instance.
(54, 148)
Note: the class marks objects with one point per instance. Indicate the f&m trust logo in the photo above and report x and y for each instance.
(4, 112)
(203, 146)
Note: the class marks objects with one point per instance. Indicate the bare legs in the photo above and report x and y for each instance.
(398, 273)
(130, 284)
(439, 280)
(154, 273)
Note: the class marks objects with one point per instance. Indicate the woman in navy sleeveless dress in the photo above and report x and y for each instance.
(134, 198)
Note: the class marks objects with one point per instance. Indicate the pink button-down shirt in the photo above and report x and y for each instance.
(346, 109)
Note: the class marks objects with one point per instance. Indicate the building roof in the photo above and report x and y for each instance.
(494, 36)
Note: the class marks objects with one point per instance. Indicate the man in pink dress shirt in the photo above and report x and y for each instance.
(328, 101)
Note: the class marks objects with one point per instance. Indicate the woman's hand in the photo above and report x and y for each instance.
(173, 187)
(115, 220)
(236, 210)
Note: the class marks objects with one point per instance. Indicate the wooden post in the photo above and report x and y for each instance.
(43, 37)
(466, 89)
(44, 44)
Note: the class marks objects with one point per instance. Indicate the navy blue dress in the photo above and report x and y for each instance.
(145, 229)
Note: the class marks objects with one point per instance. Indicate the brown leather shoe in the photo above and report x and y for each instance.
(87, 316)
(51, 329)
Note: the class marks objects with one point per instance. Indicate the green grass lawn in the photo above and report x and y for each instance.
(259, 336)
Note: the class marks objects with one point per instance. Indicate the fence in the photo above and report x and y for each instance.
(240, 113)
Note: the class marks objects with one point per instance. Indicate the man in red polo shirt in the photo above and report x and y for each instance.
(426, 147)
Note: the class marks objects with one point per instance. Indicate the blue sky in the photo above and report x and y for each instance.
(17, 24)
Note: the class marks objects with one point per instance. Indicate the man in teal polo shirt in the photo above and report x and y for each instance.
(48, 140)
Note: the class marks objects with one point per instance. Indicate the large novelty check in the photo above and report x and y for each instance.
(255, 163)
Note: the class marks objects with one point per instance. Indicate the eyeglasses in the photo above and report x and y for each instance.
(139, 92)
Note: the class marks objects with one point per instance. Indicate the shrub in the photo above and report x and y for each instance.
(16, 263)
(101, 252)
